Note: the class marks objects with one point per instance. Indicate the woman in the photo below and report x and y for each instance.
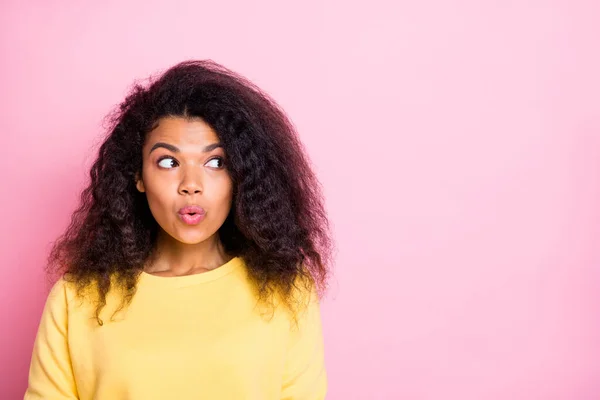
(194, 265)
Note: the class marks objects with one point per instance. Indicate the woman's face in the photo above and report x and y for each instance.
(183, 165)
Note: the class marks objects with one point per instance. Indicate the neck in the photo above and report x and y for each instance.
(171, 257)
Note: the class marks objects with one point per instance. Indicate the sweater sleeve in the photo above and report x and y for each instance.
(50, 371)
(304, 376)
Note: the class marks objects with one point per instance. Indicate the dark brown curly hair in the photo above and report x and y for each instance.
(277, 222)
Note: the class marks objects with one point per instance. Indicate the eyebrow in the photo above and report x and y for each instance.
(175, 149)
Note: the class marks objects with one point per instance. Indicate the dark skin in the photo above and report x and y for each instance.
(183, 164)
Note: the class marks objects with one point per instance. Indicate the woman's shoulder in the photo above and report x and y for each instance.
(301, 299)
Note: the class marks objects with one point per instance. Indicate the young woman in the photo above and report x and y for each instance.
(194, 266)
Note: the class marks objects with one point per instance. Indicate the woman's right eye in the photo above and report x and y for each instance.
(167, 162)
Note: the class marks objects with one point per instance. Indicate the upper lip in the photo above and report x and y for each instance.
(191, 210)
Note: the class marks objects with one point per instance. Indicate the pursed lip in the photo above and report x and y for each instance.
(191, 210)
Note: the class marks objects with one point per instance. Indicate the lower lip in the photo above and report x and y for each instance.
(192, 219)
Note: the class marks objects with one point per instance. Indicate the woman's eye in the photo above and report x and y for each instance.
(167, 162)
(215, 163)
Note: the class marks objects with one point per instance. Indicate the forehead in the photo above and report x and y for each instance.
(182, 131)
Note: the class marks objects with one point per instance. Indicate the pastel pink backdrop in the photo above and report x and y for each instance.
(458, 142)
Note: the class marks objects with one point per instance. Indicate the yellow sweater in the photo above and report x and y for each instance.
(188, 337)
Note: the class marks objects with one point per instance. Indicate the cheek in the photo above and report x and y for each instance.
(221, 193)
(158, 191)
(229, 190)
(159, 206)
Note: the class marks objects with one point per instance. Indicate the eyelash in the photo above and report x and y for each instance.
(172, 158)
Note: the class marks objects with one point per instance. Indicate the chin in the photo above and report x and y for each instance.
(191, 239)
(189, 235)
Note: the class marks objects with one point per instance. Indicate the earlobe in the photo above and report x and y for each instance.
(139, 184)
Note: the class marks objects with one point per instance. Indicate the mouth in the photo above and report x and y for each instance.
(191, 218)
(191, 215)
(191, 210)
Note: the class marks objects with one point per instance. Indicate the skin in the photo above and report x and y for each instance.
(192, 173)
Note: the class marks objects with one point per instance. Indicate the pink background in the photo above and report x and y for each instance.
(458, 142)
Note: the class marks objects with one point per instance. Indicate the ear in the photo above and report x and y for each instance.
(139, 183)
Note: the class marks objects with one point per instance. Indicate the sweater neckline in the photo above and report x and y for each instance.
(186, 280)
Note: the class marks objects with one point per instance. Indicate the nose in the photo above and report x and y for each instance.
(190, 184)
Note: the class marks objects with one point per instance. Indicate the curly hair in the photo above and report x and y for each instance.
(277, 222)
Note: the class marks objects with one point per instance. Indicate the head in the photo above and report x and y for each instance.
(199, 135)
(184, 165)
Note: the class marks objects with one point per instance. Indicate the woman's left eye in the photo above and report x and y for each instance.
(215, 163)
